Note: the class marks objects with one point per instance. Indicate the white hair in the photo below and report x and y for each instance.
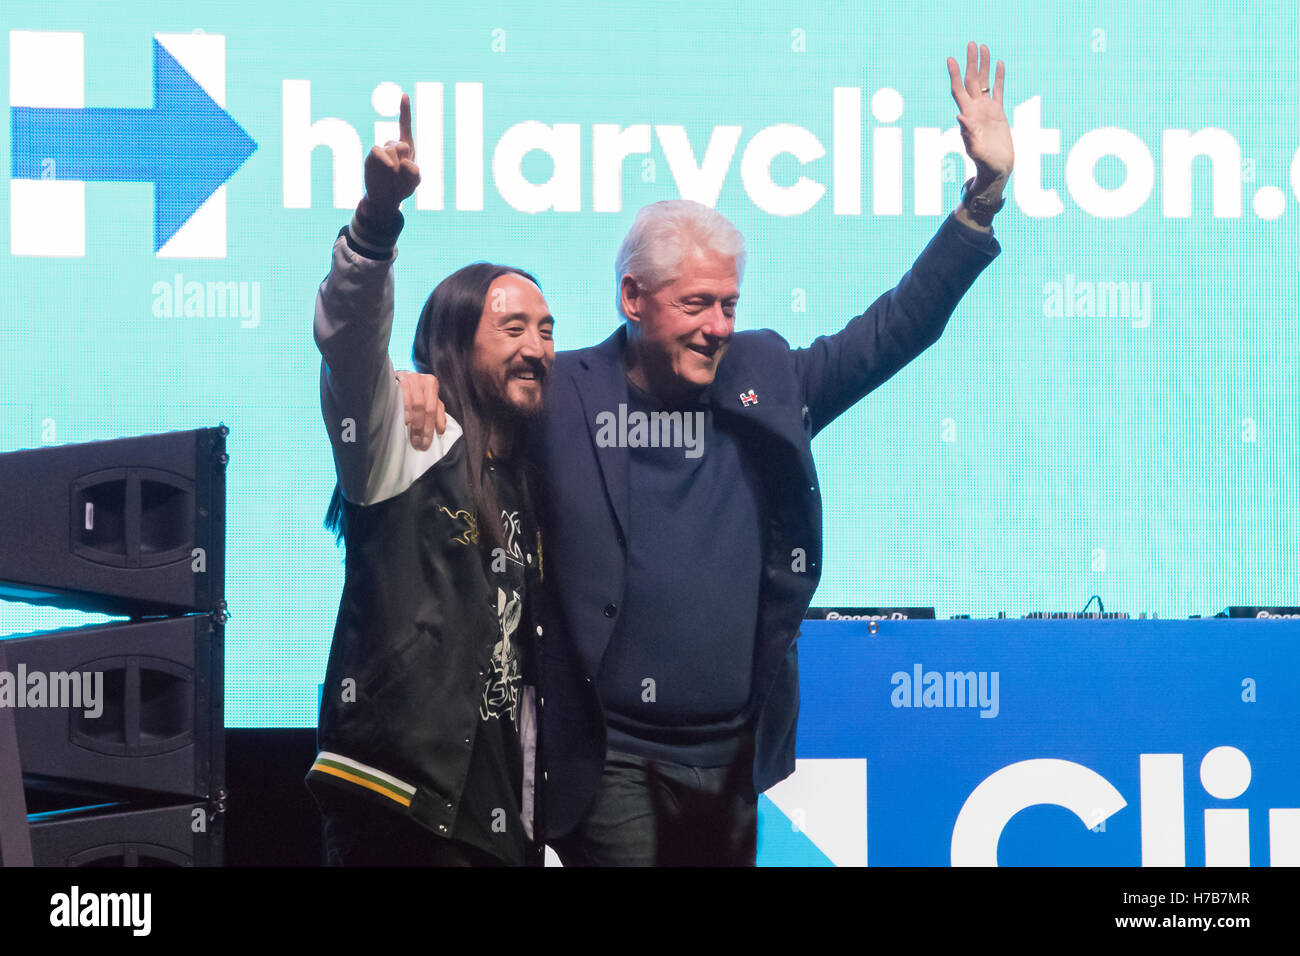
(664, 234)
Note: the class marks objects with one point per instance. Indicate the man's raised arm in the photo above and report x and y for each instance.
(838, 370)
(361, 401)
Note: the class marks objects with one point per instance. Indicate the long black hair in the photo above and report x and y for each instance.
(444, 346)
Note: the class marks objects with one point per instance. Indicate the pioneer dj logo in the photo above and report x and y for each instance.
(186, 145)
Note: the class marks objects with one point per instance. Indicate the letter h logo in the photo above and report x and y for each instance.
(185, 144)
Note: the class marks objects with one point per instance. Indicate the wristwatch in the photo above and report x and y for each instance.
(981, 210)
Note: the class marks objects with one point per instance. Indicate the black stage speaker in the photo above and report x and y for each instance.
(133, 526)
(15, 845)
(180, 835)
(156, 721)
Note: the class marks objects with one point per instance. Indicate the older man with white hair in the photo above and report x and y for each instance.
(677, 581)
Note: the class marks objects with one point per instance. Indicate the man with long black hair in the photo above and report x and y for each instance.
(426, 725)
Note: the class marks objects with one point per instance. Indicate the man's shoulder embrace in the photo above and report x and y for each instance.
(758, 350)
(760, 342)
(609, 346)
(606, 351)
(763, 349)
(570, 359)
(750, 351)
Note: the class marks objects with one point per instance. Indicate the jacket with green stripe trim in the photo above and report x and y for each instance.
(416, 626)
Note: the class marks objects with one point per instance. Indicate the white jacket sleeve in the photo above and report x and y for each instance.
(361, 400)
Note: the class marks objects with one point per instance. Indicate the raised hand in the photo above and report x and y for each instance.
(984, 126)
(391, 173)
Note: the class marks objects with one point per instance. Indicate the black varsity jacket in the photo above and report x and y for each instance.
(413, 647)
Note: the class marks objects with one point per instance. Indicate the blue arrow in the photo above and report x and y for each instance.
(185, 144)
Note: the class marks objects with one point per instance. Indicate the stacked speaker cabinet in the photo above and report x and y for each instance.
(111, 736)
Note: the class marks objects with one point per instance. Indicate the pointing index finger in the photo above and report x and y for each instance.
(404, 122)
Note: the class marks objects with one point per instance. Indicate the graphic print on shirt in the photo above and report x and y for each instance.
(501, 693)
(513, 528)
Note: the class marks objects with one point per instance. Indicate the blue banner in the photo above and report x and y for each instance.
(1043, 743)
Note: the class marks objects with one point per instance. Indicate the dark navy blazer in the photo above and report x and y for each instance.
(585, 506)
